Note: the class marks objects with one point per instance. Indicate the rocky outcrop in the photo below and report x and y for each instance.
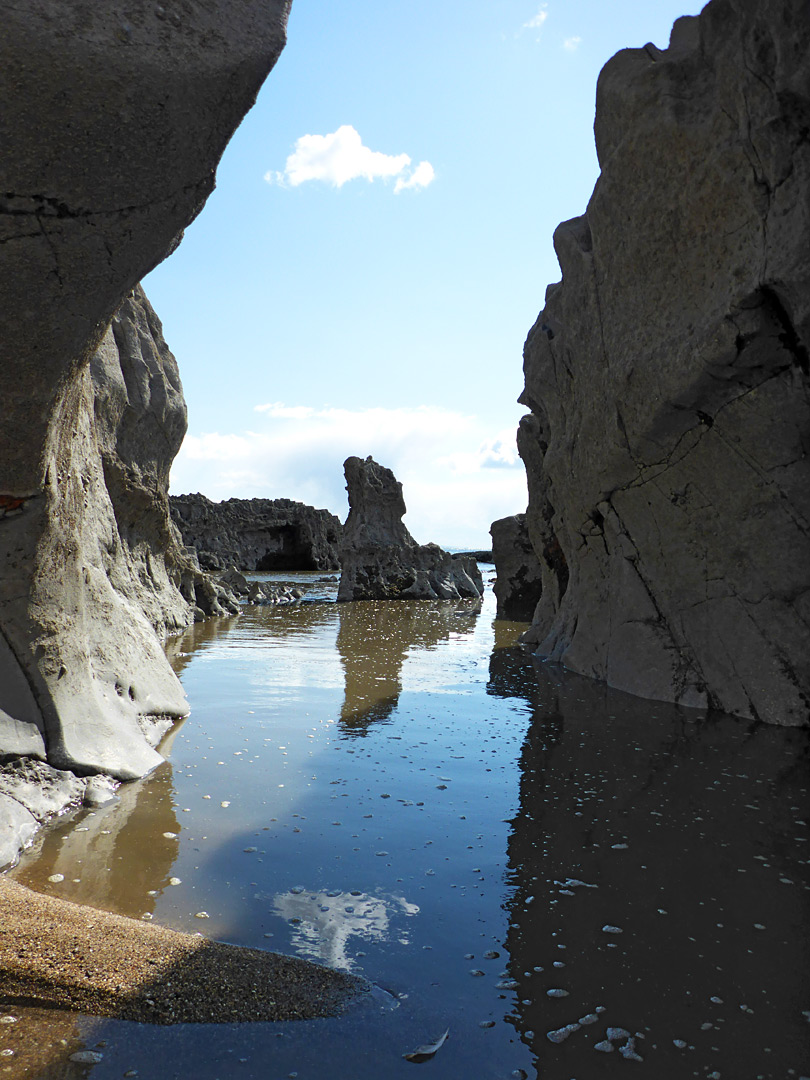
(113, 121)
(258, 534)
(519, 580)
(667, 377)
(380, 559)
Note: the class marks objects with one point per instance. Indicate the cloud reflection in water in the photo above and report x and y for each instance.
(322, 923)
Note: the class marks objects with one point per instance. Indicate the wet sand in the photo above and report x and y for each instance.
(67, 956)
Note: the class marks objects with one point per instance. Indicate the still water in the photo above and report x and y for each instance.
(500, 848)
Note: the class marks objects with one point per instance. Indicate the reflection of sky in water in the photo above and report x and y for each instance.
(323, 923)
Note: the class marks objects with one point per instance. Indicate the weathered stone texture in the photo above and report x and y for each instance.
(379, 558)
(519, 579)
(258, 534)
(668, 377)
(114, 117)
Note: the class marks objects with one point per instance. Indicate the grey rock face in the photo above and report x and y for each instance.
(380, 559)
(519, 580)
(258, 534)
(113, 122)
(667, 377)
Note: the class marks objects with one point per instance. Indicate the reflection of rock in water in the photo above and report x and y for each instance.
(656, 876)
(118, 852)
(43, 1041)
(374, 640)
(181, 647)
(324, 922)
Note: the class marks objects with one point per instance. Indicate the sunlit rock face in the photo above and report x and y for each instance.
(114, 118)
(379, 558)
(666, 450)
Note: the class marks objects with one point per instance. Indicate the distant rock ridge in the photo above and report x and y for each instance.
(380, 560)
(667, 377)
(258, 534)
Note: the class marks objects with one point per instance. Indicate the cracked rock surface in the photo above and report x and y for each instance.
(667, 377)
(114, 119)
(380, 560)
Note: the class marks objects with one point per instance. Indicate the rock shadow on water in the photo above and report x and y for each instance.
(374, 640)
(660, 879)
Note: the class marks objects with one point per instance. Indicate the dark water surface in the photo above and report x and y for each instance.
(502, 849)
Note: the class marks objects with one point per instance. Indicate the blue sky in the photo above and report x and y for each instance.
(379, 244)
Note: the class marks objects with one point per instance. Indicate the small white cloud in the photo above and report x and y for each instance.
(572, 43)
(288, 412)
(421, 176)
(341, 156)
(536, 22)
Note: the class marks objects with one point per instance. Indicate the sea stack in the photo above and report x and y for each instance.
(380, 560)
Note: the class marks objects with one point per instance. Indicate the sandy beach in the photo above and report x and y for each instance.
(67, 956)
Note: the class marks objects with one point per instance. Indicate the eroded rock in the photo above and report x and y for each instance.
(667, 377)
(519, 580)
(258, 534)
(112, 126)
(380, 559)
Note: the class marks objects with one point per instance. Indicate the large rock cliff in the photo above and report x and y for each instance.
(379, 558)
(114, 117)
(258, 534)
(667, 377)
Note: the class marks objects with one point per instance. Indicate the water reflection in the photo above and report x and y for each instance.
(660, 882)
(118, 857)
(375, 637)
(323, 923)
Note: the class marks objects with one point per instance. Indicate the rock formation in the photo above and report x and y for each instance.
(258, 534)
(667, 377)
(380, 559)
(114, 118)
(519, 580)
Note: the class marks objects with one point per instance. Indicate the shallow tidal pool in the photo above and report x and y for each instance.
(575, 883)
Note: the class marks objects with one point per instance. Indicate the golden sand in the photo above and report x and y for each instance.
(68, 956)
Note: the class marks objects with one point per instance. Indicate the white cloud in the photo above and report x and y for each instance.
(421, 176)
(457, 474)
(572, 43)
(341, 156)
(536, 22)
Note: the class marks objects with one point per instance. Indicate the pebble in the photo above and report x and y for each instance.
(55, 878)
(476, 972)
(491, 954)
(8, 1019)
(612, 930)
(561, 1034)
(616, 1033)
(202, 915)
(679, 1043)
(591, 1018)
(629, 1051)
(87, 1057)
(249, 850)
(487, 1024)
(6, 1053)
(604, 1046)
(556, 992)
(174, 881)
(169, 836)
